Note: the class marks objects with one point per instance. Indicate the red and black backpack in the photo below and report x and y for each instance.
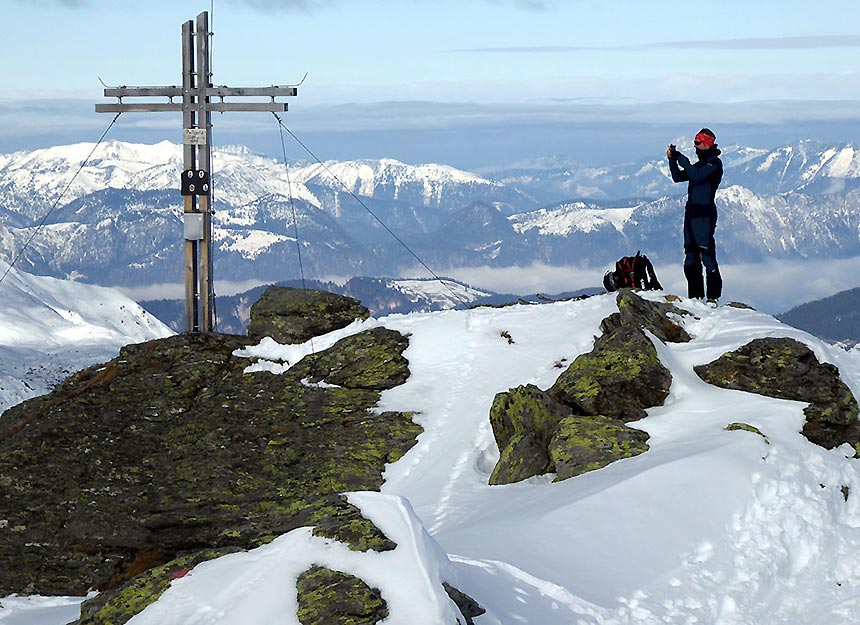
(632, 272)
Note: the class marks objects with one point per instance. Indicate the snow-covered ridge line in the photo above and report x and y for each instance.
(238, 174)
(567, 218)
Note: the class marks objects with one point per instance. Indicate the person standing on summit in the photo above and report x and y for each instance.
(700, 213)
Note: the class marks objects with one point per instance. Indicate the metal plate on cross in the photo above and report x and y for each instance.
(193, 136)
(195, 182)
(193, 226)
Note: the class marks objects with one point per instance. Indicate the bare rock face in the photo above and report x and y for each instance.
(787, 369)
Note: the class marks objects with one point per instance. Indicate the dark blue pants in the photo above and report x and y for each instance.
(700, 249)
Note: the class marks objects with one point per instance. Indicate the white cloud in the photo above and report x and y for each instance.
(772, 287)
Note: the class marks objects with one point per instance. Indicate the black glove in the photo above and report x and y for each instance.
(671, 154)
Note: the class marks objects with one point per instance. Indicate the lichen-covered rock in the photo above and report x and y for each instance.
(372, 359)
(619, 378)
(745, 427)
(659, 318)
(172, 447)
(787, 369)
(329, 597)
(588, 443)
(524, 420)
(344, 523)
(537, 434)
(291, 315)
(578, 425)
(118, 606)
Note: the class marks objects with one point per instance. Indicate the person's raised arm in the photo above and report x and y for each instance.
(695, 174)
(677, 175)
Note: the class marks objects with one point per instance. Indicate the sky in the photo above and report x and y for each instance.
(448, 78)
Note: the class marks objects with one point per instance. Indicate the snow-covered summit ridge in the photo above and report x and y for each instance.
(364, 177)
(721, 526)
(707, 526)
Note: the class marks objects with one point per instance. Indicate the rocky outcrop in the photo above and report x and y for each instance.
(524, 420)
(537, 434)
(622, 375)
(583, 444)
(329, 597)
(119, 606)
(468, 607)
(172, 448)
(291, 315)
(619, 378)
(659, 318)
(578, 424)
(787, 369)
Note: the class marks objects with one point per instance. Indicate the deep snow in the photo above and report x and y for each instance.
(707, 527)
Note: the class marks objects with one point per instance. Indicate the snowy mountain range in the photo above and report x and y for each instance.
(711, 524)
(51, 328)
(806, 166)
(119, 222)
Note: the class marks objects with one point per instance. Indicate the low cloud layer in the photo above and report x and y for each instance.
(772, 287)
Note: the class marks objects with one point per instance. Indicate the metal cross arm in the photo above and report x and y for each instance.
(219, 106)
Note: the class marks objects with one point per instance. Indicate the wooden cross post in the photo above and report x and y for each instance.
(197, 104)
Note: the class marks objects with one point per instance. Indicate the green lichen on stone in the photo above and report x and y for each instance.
(746, 427)
(587, 443)
(291, 315)
(344, 522)
(619, 378)
(524, 408)
(787, 369)
(537, 434)
(372, 359)
(523, 457)
(578, 425)
(659, 318)
(116, 607)
(172, 446)
(329, 597)
(523, 420)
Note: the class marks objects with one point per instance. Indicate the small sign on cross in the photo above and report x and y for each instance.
(193, 136)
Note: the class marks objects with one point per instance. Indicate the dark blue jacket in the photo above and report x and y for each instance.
(704, 177)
